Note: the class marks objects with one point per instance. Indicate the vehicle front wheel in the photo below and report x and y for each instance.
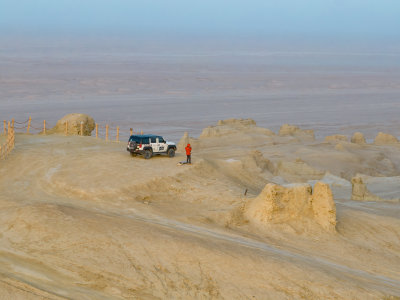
(171, 152)
(147, 154)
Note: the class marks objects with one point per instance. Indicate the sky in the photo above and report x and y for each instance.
(347, 18)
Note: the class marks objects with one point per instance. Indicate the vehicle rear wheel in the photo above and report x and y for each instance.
(148, 154)
(133, 154)
(171, 152)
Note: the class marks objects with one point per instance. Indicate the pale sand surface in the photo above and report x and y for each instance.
(80, 218)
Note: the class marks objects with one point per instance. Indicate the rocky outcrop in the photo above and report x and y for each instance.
(358, 138)
(262, 162)
(291, 130)
(297, 171)
(237, 122)
(256, 160)
(360, 191)
(385, 139)
(234, 126)
(74, 124)
(323, 206)
(186, 139)
(295, 203)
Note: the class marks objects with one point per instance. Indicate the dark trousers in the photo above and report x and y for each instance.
(189, 159)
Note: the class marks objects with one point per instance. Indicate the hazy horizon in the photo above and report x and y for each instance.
(188, 64)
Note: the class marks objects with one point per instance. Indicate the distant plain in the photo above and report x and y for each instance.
(170, 88)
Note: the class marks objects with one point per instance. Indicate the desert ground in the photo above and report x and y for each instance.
(258, 215)
(264, 211)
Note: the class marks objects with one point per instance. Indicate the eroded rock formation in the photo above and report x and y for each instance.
(385, 139)
(358, 138)
(291, 130)
(234, 126)
(297, 171)
(74, 124)
(323, 206)
(295, 203)
(360, 191)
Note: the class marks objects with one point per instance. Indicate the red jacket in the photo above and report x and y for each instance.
(188, 149)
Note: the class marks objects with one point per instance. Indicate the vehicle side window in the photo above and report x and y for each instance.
(145, 141)
(153, 140)
(161, 140)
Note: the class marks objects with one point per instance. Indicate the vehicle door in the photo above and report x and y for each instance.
(161, 144)
(154, 144)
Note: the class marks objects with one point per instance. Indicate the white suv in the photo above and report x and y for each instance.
(149, 145)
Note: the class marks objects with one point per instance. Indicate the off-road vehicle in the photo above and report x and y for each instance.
(149, 145)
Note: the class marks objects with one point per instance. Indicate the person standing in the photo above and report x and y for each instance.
(188, 154)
